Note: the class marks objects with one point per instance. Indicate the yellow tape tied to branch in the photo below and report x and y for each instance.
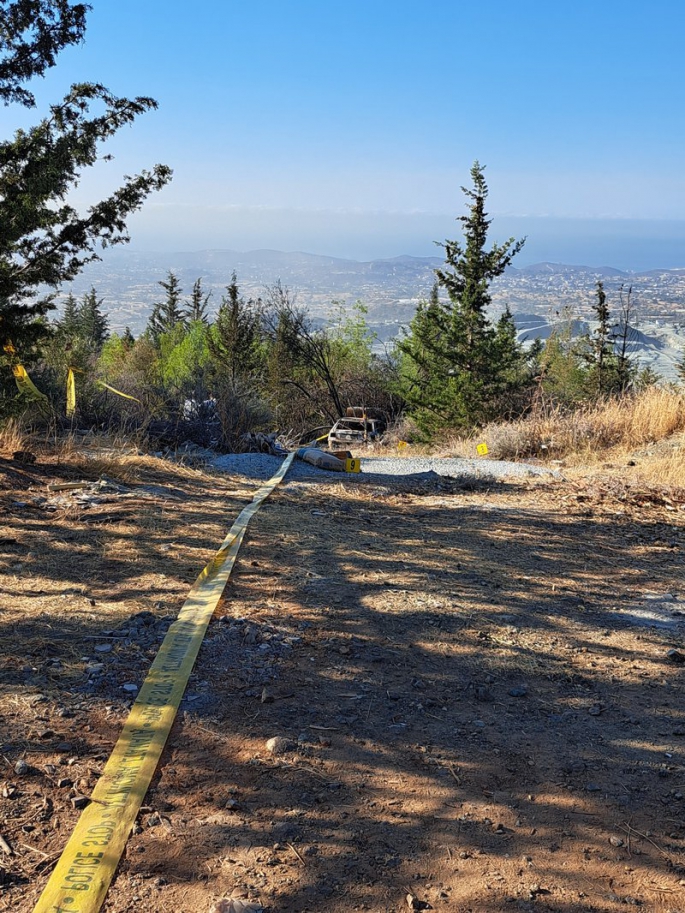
(71, 390)
(24, 383)
(71, 393)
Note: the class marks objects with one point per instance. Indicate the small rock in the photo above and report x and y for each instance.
(130, 688)
(80, 802)
(415, 904)
(593, 787)
(520, 691)
(615, 841)
(280, 745)
(675, 656)
(344, 651)
(64, 783)
(250, 635)
(154, 820)
(21, 768)
(267, 696)
(234, 905)
(103, 648)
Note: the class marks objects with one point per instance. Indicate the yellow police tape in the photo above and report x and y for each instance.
(71, 390)
(71, 393)
(82, 876)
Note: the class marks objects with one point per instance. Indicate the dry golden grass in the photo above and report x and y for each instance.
(665, 470)
(628, 422)
(11, 438)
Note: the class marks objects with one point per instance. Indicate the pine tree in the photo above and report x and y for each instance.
(601, 345)
(197, 304)
(604, 375)
(69, 324)
(458, 366)
(562, 368)
(33, 33)
(44, 240)
(235, 337)
(93, 324)
(168, 314)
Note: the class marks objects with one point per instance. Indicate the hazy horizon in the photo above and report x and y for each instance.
(632, 245)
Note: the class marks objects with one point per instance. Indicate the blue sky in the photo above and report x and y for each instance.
(347, 129)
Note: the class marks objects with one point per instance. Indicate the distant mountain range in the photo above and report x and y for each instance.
(128, 280)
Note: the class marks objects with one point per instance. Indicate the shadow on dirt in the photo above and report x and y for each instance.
(467, 715)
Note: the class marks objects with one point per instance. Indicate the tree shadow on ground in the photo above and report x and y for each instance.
(471, 718)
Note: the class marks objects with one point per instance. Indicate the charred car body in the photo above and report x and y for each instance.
(358, 426)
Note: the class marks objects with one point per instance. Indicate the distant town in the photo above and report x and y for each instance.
(539, 295)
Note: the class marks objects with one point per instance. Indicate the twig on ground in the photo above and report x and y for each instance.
(296, 853)
(631, 830)
(33, 849)
(452, 771)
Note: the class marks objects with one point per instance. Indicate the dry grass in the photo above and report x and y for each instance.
(95, 456)
(628, 422)
(11, 438)
(665, 470)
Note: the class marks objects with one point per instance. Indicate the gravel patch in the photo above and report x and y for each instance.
(377, 470)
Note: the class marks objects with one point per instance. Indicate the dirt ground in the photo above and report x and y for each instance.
(477, 706)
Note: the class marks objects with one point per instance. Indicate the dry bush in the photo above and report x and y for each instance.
(628, 421)
(240, 410)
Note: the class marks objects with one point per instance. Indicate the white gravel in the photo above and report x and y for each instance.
(381, 469)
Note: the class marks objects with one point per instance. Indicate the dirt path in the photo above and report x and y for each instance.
(472, 689)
